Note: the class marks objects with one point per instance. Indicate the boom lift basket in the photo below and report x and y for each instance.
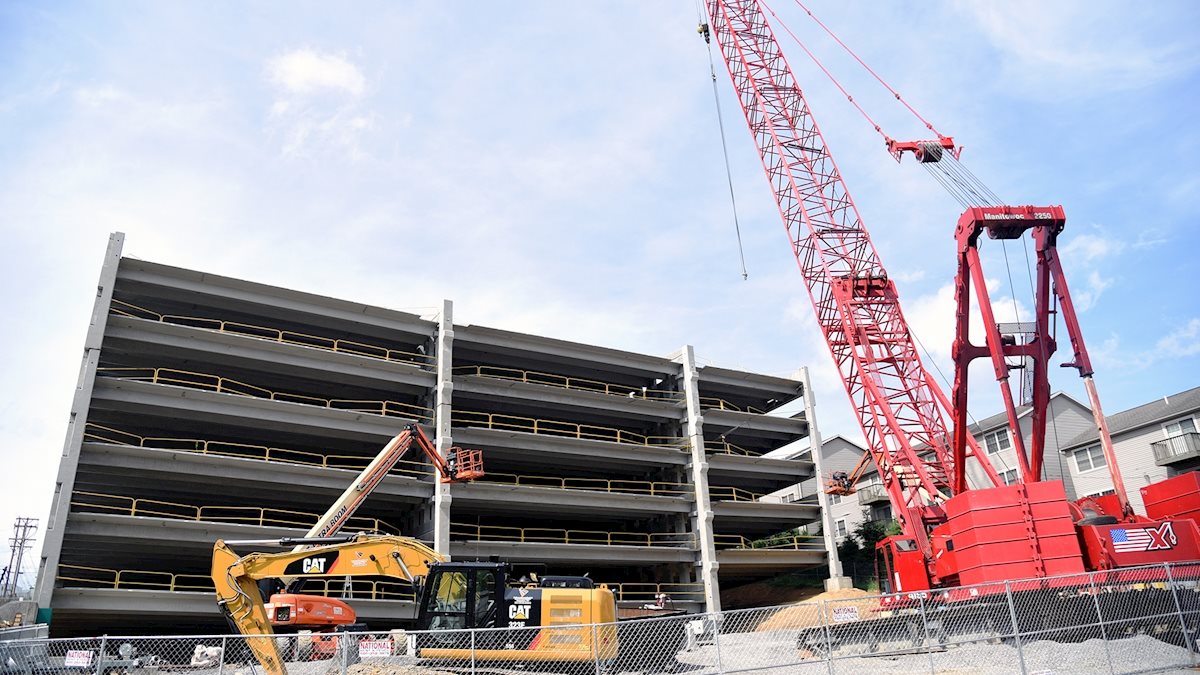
(465, 465)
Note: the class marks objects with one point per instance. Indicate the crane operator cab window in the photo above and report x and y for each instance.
(883, 569)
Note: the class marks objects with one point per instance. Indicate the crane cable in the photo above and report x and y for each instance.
(949, 172)
(963, 185)
(712, 69)
(849, 51)
(825, 70)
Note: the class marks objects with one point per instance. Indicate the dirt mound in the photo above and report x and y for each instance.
(849, 604)
(843, 594)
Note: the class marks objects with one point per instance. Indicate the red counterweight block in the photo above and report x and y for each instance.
(1013, 532)
(1177, 497)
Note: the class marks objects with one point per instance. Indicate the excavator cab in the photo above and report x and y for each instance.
(463, 595)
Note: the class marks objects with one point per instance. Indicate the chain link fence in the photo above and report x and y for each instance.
(1135, 620)
(37, 630)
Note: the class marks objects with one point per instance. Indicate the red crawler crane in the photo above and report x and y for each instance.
(900, 407)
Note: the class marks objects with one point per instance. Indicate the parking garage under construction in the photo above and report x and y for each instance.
(209, 407)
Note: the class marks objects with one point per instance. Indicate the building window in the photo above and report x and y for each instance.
(1186, 425)
(1102, 493)
(789, 498)
(997, 441)
(835, 499)
(841, 528)
(1009, 477)
(1089, 458)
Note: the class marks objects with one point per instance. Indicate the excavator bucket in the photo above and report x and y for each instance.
(465, 465)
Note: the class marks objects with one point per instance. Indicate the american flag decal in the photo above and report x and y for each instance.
(1138, 539)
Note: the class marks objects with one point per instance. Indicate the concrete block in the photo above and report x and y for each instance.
(838, 583)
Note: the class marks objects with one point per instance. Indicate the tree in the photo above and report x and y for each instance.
(857, 551)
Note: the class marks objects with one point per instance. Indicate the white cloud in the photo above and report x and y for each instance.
(1091, 247)
(1087, 298)
(305, 71)
(307, 124)
(932, 318)
(1149, 239)
(1076, 45)
(1089, 254)
(1183, 341)
(94, 97)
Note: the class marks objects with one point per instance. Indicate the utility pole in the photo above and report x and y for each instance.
(21, 541)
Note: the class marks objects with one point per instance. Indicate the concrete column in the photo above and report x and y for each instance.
(703, 515)
(836, 580)
(441, 419)
(65, 482)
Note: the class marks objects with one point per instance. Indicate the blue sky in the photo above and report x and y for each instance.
(556, 168)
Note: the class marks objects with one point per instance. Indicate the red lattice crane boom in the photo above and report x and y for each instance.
(899, 406)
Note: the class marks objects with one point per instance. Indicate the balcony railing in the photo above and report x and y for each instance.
(1176, 448)
(871, 494)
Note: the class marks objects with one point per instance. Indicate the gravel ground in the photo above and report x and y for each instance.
(775, 652)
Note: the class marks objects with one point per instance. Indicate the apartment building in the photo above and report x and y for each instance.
(1153, 441)
(839, 453)
(1068, 420)
(209, 407)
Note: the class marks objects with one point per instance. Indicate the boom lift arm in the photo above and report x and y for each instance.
(462, 466)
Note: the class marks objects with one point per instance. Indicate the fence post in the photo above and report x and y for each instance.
(1100, 619)
(224, 651)
(1012, 613)
(716, 629)
(928, 638)
(828, 638)
(596, 648)
(344, 647)
(473, 631)
(100, 656)
(1187, 637)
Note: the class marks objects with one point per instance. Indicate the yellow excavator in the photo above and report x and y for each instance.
(452, 596)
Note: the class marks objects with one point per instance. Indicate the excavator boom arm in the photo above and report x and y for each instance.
(236, 577)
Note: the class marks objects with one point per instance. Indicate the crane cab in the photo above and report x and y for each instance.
(900, 565)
